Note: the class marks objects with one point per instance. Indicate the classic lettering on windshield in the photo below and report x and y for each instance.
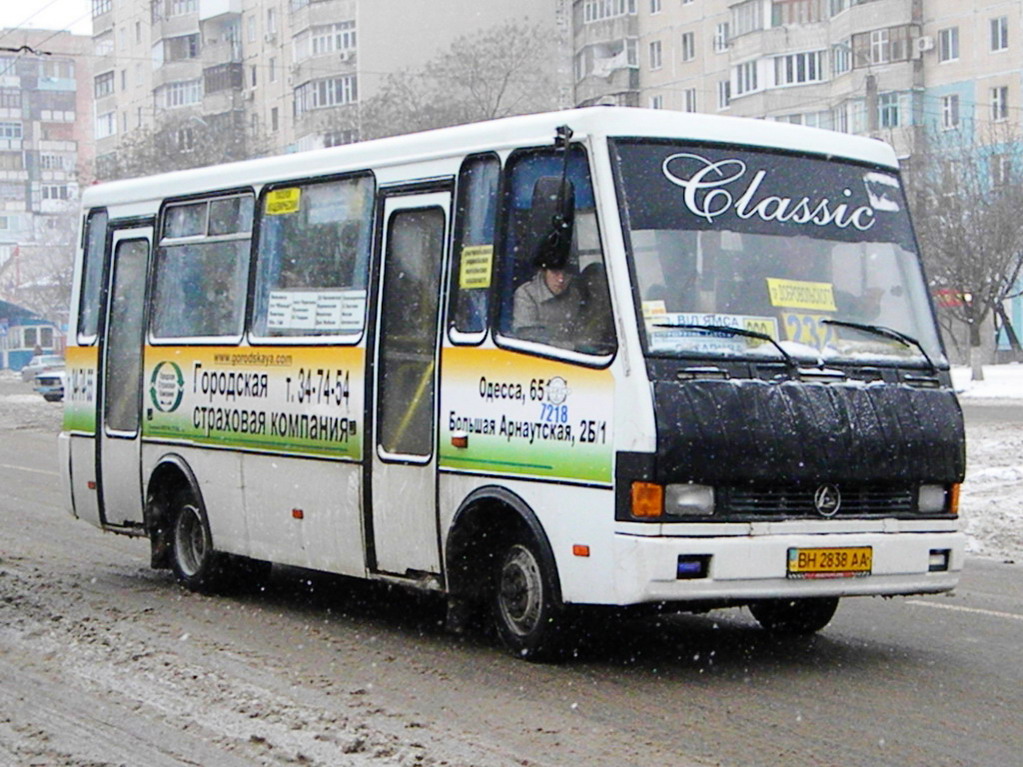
(714, 188)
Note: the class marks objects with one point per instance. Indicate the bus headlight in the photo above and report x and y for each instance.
(932, 499)
(689, 500)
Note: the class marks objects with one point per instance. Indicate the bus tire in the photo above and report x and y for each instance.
(196, 564)
(528, 614)
(799, 617)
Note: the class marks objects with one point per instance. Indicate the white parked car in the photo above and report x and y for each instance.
(39, 363)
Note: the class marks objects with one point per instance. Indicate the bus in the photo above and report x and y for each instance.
(600, 358)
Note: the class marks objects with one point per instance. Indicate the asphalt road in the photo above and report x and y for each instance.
(104, 661)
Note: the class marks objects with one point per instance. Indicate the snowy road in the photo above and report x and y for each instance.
(106, 662)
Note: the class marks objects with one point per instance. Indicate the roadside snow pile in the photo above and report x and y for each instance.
(1000, 382)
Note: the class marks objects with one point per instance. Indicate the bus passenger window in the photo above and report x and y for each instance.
(473, 260)
(313, 259)
(557, 299)
(88, 307)
(202, 267)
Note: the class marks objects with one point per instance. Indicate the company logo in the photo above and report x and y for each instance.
(166, 387)
(557, 390)
(712, 189)
(827, 500)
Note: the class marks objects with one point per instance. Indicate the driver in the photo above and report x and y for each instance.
(546, 308)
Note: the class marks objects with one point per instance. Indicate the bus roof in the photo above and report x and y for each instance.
(505, 133)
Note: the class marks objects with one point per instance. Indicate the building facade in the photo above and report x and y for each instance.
(270, 76)
(887, 68)
(45, 156)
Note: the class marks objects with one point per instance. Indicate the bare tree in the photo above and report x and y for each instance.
(180, 143)
(506, 70)
(968, 194)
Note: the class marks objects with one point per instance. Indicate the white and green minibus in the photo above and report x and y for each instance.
(602, 357)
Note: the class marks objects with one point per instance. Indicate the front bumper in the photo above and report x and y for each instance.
(744, 568)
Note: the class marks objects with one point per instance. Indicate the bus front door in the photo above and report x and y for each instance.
(119, 403)
(402, 529)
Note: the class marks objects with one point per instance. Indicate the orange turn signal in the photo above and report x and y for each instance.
(647, 500)
(580, 550)
(953, 498)
(297, 514)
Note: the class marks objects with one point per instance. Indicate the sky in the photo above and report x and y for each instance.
(74, 15)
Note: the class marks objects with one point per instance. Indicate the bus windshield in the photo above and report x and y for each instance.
(818, 254)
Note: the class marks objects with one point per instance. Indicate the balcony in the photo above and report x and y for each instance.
(211, 9)
(221, 52)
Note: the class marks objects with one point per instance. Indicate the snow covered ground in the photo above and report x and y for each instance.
(992, 499)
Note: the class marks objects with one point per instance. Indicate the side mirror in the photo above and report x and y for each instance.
(552, 221)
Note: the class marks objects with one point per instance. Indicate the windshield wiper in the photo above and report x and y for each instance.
(728, 330)
(881, 330)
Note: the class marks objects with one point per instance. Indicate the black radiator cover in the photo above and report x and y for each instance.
(751, 431)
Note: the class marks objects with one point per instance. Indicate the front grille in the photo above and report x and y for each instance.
(797, 501)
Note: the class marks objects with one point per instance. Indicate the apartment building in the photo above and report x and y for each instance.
(45, 156)
(888, 68)
(273, 75)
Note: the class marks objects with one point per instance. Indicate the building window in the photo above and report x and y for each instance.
(271, 21)
(340, 138)
(657, 102)
(841, 58)
(721, 37)
(689, 100)
(948, 44)
(786, 12)
(950, 111)
(655, 54)
(185, 138)
(881, 46)
(181, 48)
(103, 45)
(724, 94)
(798, 68)
(746, 78)
(888, 110)
(181, 7)
(99, 7)
(655, 6)
(12, 161)
(106, 124)
(1000, 33)
(688, 46)
(333, 38)
(272, 69)
(103, 84)
(598, 10)
(1000, 103)
(274, 119)
(179, 94)
(1001, 169)
(251, 26)
(329, 92)
(747, 17)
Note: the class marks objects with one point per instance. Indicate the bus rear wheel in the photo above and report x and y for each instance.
(196, 564)
(528, 615)
(799, 617)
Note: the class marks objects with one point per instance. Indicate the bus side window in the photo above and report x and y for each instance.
(473, 259)
(565, 305)
(202, 267)
(313, 259)
(88, 300)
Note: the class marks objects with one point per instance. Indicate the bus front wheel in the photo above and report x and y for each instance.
(196, 564)
(795, 616)
(527, 613)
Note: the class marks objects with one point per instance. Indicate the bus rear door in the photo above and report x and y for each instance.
(119, 403)
(403, 510)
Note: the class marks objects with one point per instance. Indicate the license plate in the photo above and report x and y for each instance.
(848, 562)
